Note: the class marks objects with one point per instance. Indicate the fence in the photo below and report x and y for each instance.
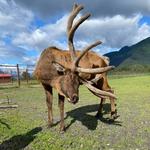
(20, 73)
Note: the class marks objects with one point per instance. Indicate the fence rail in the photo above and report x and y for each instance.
(18, 68)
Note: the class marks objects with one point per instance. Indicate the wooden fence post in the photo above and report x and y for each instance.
(11, 77)
(18, 75)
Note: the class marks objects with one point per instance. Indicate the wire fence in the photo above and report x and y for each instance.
(17, 75)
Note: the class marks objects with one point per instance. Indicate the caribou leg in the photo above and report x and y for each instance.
(61, 107)
(103, 85)
(49, 101)
(113, 107)
(99, 113)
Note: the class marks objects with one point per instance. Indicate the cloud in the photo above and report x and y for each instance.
(9, 53)
(31, 60)
(142, 33)
(13, 19)
(99, 8)
(41, 38)
(12, 54)
(114, 32)
(115, 23)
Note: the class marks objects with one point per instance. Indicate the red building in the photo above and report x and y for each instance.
(5, 78)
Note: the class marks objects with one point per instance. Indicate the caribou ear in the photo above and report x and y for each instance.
(59, 67)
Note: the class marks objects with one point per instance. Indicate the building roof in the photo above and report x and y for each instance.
(5, 75)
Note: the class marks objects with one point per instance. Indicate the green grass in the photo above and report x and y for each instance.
(25, 127)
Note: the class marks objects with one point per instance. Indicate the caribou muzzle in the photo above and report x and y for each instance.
(74, 99)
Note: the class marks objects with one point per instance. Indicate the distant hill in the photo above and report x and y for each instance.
(133, 58)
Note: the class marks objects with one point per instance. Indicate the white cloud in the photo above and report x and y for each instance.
(13, 19)
(114, 32)
(43, 37)
(114, 29)
(10, 54)
(143, 31)
(29, 60)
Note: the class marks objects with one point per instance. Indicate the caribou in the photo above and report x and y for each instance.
(66, 70)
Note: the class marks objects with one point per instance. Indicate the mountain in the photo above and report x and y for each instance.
(132, 58)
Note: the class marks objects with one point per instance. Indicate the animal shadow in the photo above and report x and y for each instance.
(82, 115)
(19, 142)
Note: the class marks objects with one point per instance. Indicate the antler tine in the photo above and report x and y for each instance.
(97, 91)
(77, 24)
(75, 6)
(85, 51)
(96, 79)
(70, 30)
(98, 95)
(94, 70)
(76, 9)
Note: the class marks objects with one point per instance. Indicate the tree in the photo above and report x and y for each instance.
(25, 75)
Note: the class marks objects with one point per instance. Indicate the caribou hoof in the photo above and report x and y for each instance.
(99, 115)
(114, 116)
(62, 130)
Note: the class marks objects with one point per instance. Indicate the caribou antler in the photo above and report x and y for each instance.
(94, 70)
(96, 79)
(70, 32)
(75, 60)
(97, 92)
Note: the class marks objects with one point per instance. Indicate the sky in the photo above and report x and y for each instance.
(27, 27)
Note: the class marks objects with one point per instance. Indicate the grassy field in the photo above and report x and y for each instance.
(25, 127)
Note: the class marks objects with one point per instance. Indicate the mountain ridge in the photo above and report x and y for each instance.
(132, 58)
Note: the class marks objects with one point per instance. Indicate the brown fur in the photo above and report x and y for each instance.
(44, 69)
